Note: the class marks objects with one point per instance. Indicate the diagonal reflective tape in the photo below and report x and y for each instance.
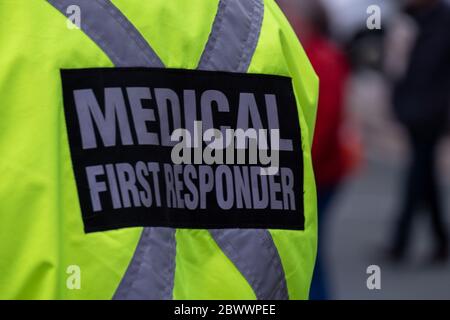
(254, 253)
(233, 37)
(230, 47)
(112, 32)
(150, 274)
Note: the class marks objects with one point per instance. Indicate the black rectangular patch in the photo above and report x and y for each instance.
(119, 124)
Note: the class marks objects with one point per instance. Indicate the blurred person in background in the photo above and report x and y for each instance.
(421, 103)
(330, 157)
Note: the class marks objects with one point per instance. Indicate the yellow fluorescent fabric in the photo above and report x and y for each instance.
(297, 249)
(41, 231)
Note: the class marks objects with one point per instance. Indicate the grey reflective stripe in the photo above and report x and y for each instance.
(234, 35)
(151, 272)
(230, 47)
(254, 253)
(112, 32)
(150, 275)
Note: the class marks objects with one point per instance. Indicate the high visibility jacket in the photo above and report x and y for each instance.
(46, 251)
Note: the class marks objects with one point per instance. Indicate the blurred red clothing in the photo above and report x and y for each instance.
(330, 158)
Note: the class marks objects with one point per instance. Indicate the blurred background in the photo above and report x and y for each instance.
(381, 149)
